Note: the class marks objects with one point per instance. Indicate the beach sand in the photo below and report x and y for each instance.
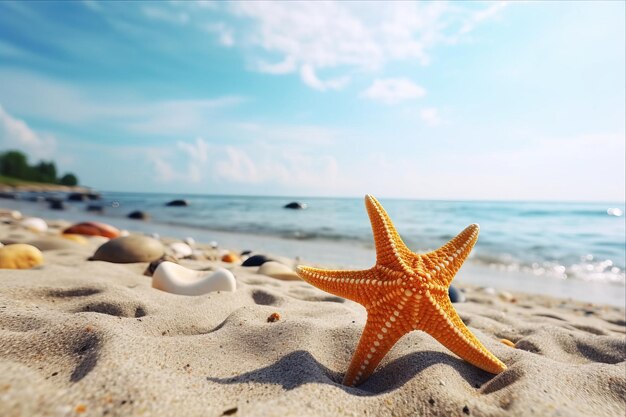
(92, 338)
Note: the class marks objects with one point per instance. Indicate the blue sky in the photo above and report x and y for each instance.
(432, 100)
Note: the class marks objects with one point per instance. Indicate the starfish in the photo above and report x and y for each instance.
(404, 291)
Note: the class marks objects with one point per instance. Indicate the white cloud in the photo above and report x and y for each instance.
(430, 115)
(307, 73)
(224, 33)
(480, 16)
(15, 133)
(393, 90)
(351, 36)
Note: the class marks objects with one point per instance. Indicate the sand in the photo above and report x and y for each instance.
(92, 338)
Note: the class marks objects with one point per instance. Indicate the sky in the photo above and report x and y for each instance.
(428, 100)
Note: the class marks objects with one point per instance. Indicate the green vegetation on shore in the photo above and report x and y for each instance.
(15, 170)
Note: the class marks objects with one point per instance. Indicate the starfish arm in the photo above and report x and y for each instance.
(445, 325)
(390, 249)
(381, 332)
(445, 262)
(353, 285)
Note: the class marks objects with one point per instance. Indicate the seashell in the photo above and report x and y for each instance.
(35, 224)
(177, 279)
(20, 256)
(93, 229)
(180, 249)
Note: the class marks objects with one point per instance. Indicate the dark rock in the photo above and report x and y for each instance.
(56, 204)
(95, 208)
(9, 196)
(255, 260)
(77, 197)
(178, 203)
(138, 215)
(154, 264)
(129, 249)
(93, 196)
(456, 296)
(296, 205)
(245, 252)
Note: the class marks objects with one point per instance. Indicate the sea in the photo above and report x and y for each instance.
(566, 249)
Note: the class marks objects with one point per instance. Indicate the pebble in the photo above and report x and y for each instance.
(230, 257)
(190, 241)
(154, 264)
(489, 290)
(20, 256)
(93, 229)
(180, 250)
(456, 295)
(177, 279)
(35, 224)
(255, 260)
(47, 243)
(507, 342)
(138, 215)
(506, 296)
(279, 271)
(10, 214)
(74, 238)
(129, 249)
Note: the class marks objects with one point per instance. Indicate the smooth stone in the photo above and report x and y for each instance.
(138, 215)
(93, 229)
(10, 214)
(177, 279)
(177, 203)
(35, 224)
(129, 249)
(81, 240)
(180, 249)
(256, 260)
(246, 252)
(230, 258)
(190, 241)
(295, 205)
(279, 271)
(20, 256)
(456, 295)
(53, 243)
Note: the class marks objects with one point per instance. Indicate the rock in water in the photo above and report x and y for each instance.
(56, 204)
(20, 256)
(93, 229)
(138, 215)
(456, 295)
(255, 260)
(177, 279)
(296, 205)
(178, 203)
(129, 249)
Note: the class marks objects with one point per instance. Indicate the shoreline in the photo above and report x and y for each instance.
(343, 255)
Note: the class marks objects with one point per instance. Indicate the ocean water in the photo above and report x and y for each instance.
(567, 242)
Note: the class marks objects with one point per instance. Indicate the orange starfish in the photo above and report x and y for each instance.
(404, 291)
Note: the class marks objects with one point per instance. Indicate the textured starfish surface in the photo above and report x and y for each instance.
(404, 291)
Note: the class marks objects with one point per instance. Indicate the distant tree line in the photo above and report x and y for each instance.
(15, 164)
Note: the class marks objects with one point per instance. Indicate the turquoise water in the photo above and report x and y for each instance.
(565, 241)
